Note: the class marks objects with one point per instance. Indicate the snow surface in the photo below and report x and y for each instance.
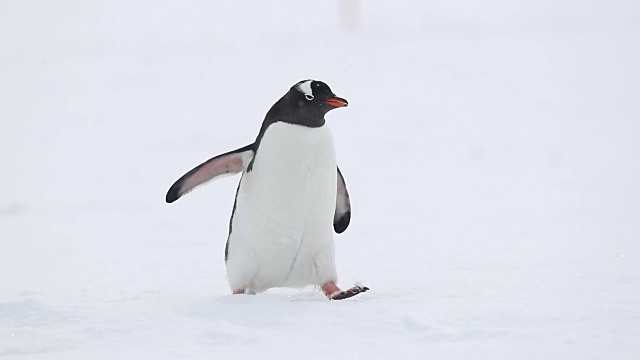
(490, 150)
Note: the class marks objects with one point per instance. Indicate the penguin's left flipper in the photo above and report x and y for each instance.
(342, 215)
(345, 294)
(215, 168)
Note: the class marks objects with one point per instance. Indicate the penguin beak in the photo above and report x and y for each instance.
(337, 102)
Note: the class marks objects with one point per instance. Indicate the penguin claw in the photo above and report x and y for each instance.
(345, 294)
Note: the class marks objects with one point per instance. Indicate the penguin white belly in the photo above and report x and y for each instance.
(281, 231)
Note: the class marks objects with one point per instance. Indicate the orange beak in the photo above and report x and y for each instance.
(337, 102)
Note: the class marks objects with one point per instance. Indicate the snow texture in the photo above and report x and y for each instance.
(490, 151)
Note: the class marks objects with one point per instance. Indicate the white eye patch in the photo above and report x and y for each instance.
(305, 88)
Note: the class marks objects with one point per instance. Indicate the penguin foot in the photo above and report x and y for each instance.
(244, 291)
(345, 294)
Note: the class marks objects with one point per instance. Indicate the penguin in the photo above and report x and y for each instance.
(290, 199)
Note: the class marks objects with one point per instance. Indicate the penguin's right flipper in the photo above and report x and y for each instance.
(215, 168)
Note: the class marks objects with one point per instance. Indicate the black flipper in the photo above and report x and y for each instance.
(342, 215)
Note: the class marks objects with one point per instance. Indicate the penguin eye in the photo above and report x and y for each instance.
(309, 97)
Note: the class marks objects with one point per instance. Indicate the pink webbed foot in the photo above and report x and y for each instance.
(345, 294)
(244, 291)
(333, 292)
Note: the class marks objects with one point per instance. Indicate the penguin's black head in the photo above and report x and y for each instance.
(315, 94)
(312, 99)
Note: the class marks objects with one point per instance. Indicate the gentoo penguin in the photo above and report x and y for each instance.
(290, 195)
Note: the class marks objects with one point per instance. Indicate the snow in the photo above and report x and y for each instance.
(490, 150)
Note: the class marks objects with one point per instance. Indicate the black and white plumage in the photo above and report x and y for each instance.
(290, 199)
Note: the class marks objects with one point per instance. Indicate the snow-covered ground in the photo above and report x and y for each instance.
(491, 150)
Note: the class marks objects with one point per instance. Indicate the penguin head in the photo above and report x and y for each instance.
(314, 98)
